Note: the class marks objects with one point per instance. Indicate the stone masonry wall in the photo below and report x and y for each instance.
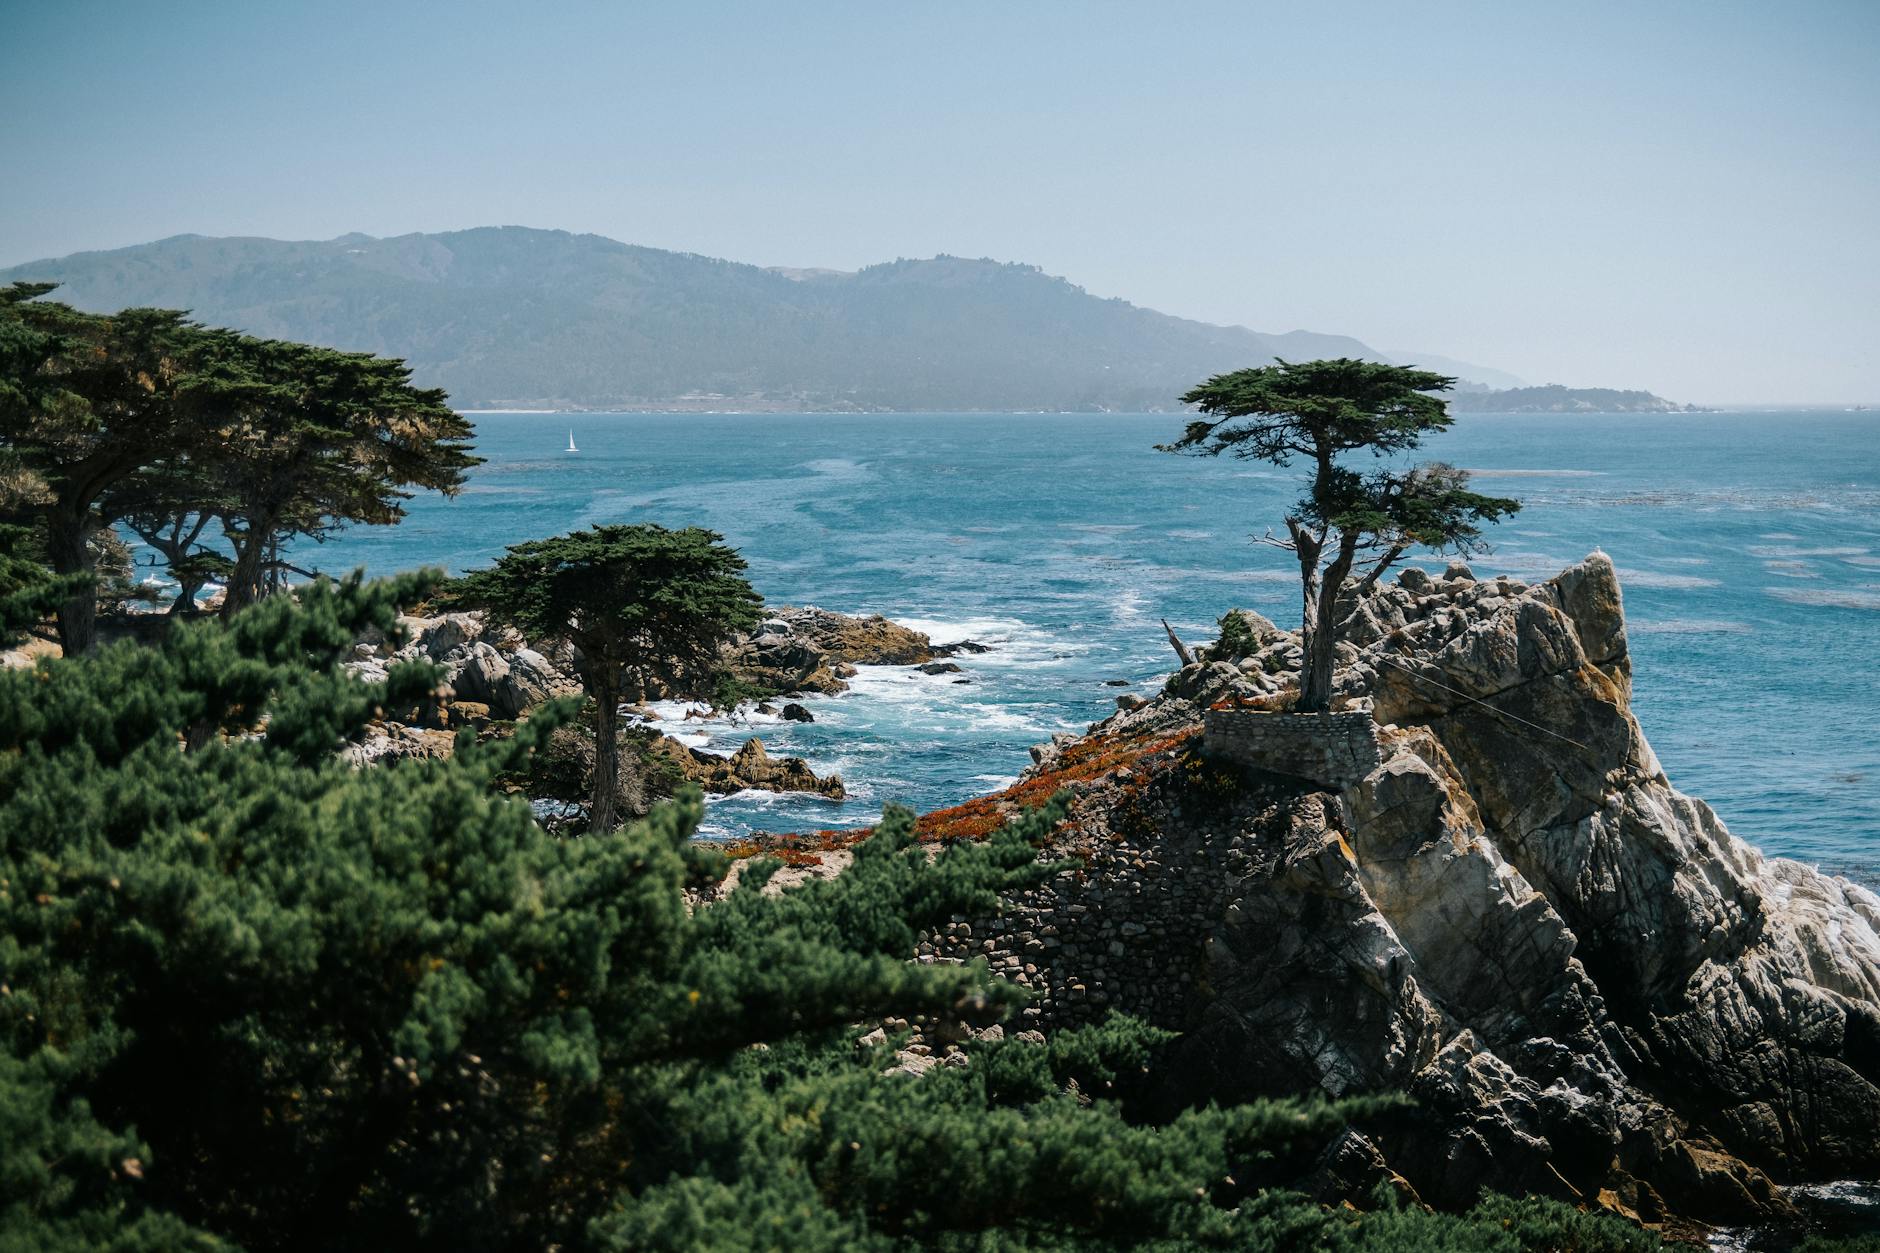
(1129, 929)
(1334, 749)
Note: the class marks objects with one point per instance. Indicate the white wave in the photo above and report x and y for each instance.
(982, 630)
(996, 719)
(1830, 598)
(1669, 582)
(1789, 550)
(836, 467)
(1689, 626)
(1535, 474)
(1127, 607)
(763, 799)
(1791, 569)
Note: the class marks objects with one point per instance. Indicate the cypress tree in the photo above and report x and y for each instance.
(628, 597)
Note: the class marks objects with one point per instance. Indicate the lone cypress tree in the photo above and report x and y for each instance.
(1347, 521)
(627, 596)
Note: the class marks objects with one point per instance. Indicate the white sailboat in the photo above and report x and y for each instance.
(571, 447)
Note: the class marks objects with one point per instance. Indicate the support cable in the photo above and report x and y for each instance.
(1502, 713)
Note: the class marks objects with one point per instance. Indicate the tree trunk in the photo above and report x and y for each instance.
(185, 603)
(1321, 631)
(244, 582)
(606, 753)
(69, 547)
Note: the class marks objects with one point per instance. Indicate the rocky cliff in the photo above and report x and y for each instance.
(1592, 990)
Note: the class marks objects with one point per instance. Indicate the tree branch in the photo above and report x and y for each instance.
(1181, 649)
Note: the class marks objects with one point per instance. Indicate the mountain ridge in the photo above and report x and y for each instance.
(526, 318)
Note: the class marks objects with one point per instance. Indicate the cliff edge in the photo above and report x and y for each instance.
(1592, 989)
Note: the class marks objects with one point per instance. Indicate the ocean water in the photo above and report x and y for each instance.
(1748, 545)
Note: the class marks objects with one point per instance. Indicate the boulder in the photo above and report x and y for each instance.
(862, 641)
(389, 741)
(814, 650)
(750, 767)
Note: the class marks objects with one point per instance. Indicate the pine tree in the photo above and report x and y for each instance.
(628, 597)
(145, 415)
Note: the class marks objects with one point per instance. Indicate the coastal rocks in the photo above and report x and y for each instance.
(750, 767)
(773, 659)
(510, 684)
(385, 742)
(488, 676)
(814, 650)
(494, 677)
(1591, 988)
(490, 668)
(862, 641)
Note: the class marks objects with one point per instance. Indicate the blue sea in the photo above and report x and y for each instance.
(1748, 544)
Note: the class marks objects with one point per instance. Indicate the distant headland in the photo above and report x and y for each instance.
(1555, 398)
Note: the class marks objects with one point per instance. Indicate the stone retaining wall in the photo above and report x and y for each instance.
(1333, 749)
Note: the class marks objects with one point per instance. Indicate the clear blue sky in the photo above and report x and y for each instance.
(1678, 195)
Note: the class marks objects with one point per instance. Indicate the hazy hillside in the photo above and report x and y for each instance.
(1469, 377)
(1555, 398)
(531, 318)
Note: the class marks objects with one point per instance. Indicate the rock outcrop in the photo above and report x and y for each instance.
(813, 650)
(750, 767)
(494, 677)
(494, 670)
(1590, 987)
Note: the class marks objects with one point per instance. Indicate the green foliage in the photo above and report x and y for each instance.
(66, 1181)
(148, 417)
(29, 591)
(1839, 1244)
(629, 597)
(1236, 639)
(562, 769)
(1425, 506)
(1313, 409)
(296, 440)
(250, 994)
(728, 691)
